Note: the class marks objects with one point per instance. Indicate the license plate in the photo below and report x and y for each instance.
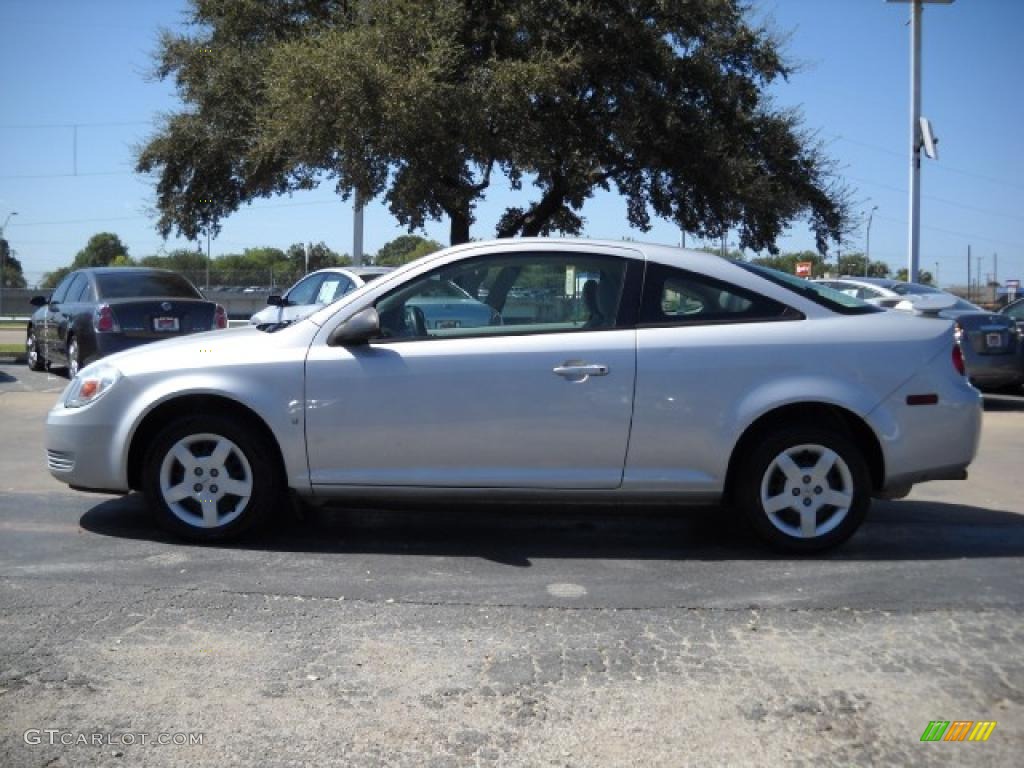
(165, 324)
(448, 324)
(993, 340)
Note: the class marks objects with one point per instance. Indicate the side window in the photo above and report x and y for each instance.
(676, 297)
(305, 290)
(61, 291)
(79, 291)
(333, 288)
(501, 295)
(1016, 312)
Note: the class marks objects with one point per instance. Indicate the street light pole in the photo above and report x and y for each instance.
(867, 243)
(916, 138)
(3, 258)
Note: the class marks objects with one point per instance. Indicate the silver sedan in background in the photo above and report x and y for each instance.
(617, 372)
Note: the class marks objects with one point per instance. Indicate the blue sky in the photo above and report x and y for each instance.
(85, 62)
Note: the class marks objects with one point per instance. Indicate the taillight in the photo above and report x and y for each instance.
(220, 317)
(958, 360)
(103, 320)
(958, 333)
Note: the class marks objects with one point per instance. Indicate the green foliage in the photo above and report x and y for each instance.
(320, 257)
(100, 251)
(923, 276)
(852, 265)
(786, 262)
(13, 276)
(50, 279)
(420, 101)
(404, 249)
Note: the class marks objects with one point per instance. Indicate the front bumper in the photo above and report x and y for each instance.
(81, 449)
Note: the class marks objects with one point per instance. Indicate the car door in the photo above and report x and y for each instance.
(55, 317)
(531, 394)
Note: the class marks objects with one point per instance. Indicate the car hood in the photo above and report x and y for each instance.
(234, 346)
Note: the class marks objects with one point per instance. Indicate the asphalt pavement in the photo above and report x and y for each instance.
(513, 636)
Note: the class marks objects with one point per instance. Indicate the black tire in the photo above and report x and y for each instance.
(234, 514)
(805, 446)
(36, 361)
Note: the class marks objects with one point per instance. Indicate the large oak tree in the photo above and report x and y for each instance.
(423, 101)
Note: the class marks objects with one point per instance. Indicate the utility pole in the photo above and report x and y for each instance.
(357, 230)
(968, 273)
(867, 244)
(917, 136)
(207, 261)
(936, 274)
(977, 280)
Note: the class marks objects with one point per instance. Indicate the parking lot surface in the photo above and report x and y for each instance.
(533, 636)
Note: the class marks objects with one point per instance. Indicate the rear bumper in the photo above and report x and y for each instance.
(928, 442)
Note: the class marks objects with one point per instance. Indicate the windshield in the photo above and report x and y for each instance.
(830, 298)
(130, 285)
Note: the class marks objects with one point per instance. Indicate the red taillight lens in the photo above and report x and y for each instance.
(958, 360)
(103, 320)
(220, 317)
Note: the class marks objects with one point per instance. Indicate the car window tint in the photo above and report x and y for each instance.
(305, 291)
(837, 301)
(128, 285)
(62, 288)
(674, 296)
(74, 288)
(79, 290)
(502, 295)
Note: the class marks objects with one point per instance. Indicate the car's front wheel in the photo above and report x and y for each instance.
(209, 478)
(805, 489)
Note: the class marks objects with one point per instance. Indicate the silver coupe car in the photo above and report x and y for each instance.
(630, 372)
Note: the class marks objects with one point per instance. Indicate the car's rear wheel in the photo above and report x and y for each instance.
(36, 361)
(74, 358)
(805, 489)
(207, 478)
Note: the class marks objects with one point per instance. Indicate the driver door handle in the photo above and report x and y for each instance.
(579, 371)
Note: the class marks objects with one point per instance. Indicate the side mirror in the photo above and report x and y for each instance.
(38, 301)
(358, 329)
(275, 300)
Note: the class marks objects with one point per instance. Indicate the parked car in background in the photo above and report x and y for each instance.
(314, 291)
(1015, 311)
(992, 346)
(641, 373)
(98, 311)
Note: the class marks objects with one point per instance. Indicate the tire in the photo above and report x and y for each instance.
(36, 361)
(787, 483)
(74, 357)
(232, 466)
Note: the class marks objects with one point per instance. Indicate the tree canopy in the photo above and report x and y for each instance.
(404, 249)
(423, 101)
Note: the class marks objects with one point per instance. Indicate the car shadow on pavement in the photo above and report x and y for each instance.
(894, 530)
(996, 403)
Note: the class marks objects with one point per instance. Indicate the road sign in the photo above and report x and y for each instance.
(803, 268)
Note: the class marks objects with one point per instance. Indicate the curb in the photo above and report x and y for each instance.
(18, 359)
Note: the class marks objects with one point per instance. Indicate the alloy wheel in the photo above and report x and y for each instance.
(206, 480)
(807, 491)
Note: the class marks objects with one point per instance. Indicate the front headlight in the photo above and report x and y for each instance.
(91, 383)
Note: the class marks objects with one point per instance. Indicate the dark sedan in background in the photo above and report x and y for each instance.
(98, 311)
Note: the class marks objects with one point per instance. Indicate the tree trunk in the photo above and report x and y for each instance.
(459, 226)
